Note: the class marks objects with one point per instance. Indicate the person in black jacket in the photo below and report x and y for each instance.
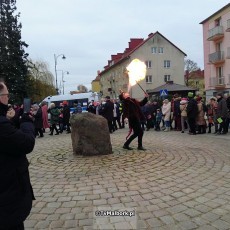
(132, 111)
(107, 113)
(16, 192)
(222, 113)
(192, 111)
(66, 116)
(227, 97)
(38, 120)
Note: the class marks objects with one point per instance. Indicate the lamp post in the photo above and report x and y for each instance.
(63, 73)
(55, 67)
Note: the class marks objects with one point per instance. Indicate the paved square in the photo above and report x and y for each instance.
(180, 182)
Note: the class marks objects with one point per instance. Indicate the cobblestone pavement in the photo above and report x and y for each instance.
(180, 182)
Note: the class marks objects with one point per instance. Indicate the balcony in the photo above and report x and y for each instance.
(215, 33)
(216, 57)
(217, 82)
(228, 26)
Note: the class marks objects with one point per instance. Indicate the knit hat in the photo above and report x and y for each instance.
(190, 94)
(213, 98)
(183, 101)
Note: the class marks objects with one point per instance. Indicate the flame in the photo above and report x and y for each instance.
(136, 71)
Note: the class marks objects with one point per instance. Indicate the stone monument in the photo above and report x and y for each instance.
(90, 134)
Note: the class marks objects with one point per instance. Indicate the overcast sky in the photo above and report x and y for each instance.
(88, 32)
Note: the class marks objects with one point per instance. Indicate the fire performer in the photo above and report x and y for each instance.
(132, 111)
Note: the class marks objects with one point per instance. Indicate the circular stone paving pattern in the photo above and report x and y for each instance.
(175, 180)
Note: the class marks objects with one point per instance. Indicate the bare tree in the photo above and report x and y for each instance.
(82, 89)
(190, 66)
(42, 80)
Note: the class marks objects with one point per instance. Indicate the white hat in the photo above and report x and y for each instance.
(182, 102)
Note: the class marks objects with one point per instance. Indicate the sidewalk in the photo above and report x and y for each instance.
(180, 182)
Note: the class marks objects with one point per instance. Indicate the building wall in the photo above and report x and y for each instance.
(210, 70)
(114, 80)
(171, 53)
(96, 87)
(116, 77)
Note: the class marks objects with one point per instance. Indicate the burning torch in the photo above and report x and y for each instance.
(136, 71)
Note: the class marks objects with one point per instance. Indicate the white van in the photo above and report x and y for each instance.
(83, 98)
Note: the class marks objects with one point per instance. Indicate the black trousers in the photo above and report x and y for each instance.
(192, 124)
(116, 120)
(52, 128)
(227, 121)
(137, 132)
(39, 131)
(222, 126)
(110, 125)
(16, 227)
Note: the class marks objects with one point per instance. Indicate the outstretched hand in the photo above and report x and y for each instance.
(146, 95)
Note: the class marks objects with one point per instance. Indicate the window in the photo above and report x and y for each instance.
(167, 64)
(160, 50)
(154, 50)
(148, 64)
(219, 74)
(148, 79)
(167, 78)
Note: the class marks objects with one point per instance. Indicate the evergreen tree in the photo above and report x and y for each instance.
(13, 68)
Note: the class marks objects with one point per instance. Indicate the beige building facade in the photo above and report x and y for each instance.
(164, 61)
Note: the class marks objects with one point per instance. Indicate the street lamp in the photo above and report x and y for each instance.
(55, 66)
(63, 72)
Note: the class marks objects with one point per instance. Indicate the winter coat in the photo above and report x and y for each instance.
(16, 193)
(38, 121)
(54, 118)
(45, 116)
(192, 108)
(222, 109)
(91, 108)
(200, 115)
(228, 103)
(132, 110)
(183, 109)
(176, 110)
(66, 114)
(151, 110)
(166, 111)
(107, 110)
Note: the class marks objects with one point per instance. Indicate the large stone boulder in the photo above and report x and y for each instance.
(90, 135)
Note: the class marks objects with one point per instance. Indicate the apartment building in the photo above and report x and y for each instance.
(164, 61)
(96, 87)
(216, 41)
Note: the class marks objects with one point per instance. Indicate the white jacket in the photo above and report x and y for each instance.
(166, 111)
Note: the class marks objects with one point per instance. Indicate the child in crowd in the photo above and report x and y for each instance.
(183, 109)
(158, 120)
